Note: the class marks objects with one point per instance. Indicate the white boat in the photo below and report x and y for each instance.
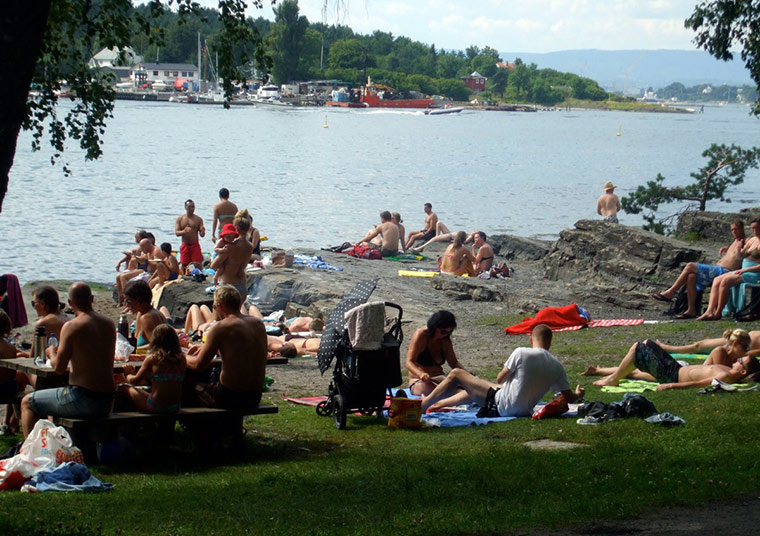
(159, 85)
(269, 102)
(442, 111)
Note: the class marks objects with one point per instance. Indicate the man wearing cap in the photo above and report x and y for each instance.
(232, 259)
(188, 227)
(608, 204)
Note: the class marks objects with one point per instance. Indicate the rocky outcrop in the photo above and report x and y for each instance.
(518, 248)
(601, 256)
(715, 226)
(468, 288)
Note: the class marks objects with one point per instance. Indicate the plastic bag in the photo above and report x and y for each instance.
(46, 446)
(123, 348)
(555, 408)
(405, 413)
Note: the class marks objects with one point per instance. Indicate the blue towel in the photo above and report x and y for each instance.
(69, 476)
(315, 262)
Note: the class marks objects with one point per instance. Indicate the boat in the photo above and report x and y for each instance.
(269, 102)
(159, 85)
(380, 96)
(443, 111)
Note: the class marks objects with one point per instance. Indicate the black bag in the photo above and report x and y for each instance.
(751, 311)
(680, 303)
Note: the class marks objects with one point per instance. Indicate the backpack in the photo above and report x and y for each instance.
(680, 303)
(363, 251)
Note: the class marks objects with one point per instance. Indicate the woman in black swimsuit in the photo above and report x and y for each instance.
(429, 349)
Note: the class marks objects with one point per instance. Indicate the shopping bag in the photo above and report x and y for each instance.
(405, 413)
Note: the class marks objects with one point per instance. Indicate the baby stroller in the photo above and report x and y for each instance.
(361, 377)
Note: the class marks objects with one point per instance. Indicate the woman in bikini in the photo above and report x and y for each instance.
(138, 296)
(164, 369)
(748, 273)
(429, 349)
(457, 259)
(706, 345)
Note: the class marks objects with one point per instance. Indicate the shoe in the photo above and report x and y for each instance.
(684, 316)
(660, 297)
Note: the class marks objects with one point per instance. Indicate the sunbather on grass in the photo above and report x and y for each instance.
(648, 358)
(705, 345)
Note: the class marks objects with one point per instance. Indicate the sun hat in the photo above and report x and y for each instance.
(608, 186)
(228, 229)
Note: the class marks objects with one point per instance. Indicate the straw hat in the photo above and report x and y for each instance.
(608, 186)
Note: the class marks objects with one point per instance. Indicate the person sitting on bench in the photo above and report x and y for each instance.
(241, 341)
(87, 343)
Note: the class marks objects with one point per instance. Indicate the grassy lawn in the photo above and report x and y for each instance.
(301, 476)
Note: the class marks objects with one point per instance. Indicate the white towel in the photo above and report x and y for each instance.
(366, 325)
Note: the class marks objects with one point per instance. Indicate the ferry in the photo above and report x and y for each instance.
(378, 96)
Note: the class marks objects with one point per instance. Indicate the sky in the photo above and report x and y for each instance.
(512, 25)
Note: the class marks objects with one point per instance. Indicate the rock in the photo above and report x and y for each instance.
(515, 247)
(468, 288)
(625, 259)
(178, 297)
(709, 225)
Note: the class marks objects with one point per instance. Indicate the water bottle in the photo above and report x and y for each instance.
(123, 327)
(39, 345)
(52, 343)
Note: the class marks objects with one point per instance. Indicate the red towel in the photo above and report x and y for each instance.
(554, 317)
(16, 309)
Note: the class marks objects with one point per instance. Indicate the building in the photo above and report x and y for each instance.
(108, 57)
(476, 82)
(168, 73)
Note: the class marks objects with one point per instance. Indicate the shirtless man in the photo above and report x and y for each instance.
(241, 341)
(146, 253)
(188, 227)
(139, 235)
(233, 258)
(293, 347)
(389, 232)
(608, 204)
(87, 344)
(697, 277)
(649, 358)
(482, 252)
(224, 211)
(428, 232)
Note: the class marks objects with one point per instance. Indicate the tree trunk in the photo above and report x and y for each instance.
(22, 27)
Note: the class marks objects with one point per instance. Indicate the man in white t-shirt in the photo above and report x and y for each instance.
(527, 375)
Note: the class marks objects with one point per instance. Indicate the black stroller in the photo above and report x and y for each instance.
(361, 378)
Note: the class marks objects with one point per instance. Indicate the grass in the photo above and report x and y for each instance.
(301, 476)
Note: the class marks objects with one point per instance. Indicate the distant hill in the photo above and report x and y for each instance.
(631, 70)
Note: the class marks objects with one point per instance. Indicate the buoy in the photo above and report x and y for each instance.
(325, 125)
(620, 132)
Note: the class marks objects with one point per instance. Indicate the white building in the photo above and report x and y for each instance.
(108, 57)
(168, 73)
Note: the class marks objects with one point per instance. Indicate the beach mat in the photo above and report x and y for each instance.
(631, 386)
(404, 257)
(606, 323)
(689, 356)
(417, 273)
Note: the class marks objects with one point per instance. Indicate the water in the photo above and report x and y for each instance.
(529, 174)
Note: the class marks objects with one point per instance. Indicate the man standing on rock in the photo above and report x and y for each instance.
(188, 227)
(697, 277)
(608, 204)
(428, 232)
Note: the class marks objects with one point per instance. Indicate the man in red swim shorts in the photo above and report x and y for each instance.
(188, 227)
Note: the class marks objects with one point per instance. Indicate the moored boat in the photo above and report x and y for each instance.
(380, 96)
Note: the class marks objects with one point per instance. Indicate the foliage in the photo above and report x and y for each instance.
(721, 26)
(725, 167)
(698, 93)
(287, 40)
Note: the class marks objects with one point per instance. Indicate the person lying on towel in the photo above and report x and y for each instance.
(527, 375)
(656, 364)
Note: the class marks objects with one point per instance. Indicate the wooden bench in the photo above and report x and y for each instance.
(101, 429)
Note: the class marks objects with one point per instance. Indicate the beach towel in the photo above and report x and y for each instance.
(554, 317)
(417, 273)
(606, 323)
(631, 386)
(14, 304)
(366, 324)
(315, 262)
(402, 257)
(69, 476)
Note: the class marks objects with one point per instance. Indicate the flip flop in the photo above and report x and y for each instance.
(685, 317)
(660, 297)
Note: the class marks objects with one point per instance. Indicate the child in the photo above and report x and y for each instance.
(164, 368)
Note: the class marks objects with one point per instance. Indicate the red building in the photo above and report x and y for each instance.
(476, 81)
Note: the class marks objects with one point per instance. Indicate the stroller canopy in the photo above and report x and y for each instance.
(335, 322)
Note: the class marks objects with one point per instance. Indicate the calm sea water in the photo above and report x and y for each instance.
(529, 174)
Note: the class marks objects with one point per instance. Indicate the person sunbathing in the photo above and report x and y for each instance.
(429, 349)
(138, 297)
(442, 234)
(725, 354)
(293, 346)
(166, 266)
(163, 369)
(649, 358)
(138, 266)
(46, 303)
(705, 345)
(457, 259)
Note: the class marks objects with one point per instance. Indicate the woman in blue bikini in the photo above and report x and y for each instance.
(163, 369)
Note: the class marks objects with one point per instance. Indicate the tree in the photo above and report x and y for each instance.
(484, 64)
(726, 166)
(723, 25)
(498, 81)
(348, 54)
(46, 42)
(287, 39)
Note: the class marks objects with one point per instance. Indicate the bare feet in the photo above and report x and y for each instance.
(607, 380)
(591, 371)
(709, 316)
(418, 249)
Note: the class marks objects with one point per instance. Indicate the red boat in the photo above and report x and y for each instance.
(379, 96)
